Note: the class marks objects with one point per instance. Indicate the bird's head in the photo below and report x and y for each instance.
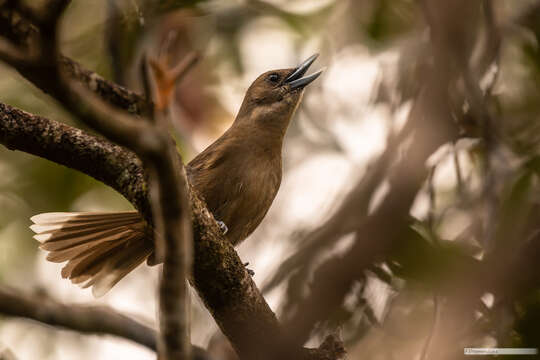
(273, 97)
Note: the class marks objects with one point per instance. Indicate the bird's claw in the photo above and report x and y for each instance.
(223, 227)
(250, 272)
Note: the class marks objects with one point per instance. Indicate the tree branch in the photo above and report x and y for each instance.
(19, 29)
(81, 318)
(111, 164)
(346, 219)
(383, 230)
(170, 208)
(99, 320)
(110, 92)
(218, 275)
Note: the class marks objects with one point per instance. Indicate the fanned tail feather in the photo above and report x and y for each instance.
(100, 248)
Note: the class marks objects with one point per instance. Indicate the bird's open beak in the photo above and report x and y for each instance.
(296, 81)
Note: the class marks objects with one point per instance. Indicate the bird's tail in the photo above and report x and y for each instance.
(100, 248)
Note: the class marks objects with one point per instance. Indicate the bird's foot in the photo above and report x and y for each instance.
(223, 227)
(250, 272)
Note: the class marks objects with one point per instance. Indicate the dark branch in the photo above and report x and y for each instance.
(100, 320)
(175, 247)
(346, 218)
(114, 94)
(17, 28)
(219, 275)
(170, 206)
(383, 230)
(82, 318)
(92, 155)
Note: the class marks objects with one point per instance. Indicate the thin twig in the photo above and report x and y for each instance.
(182, 68)
(431, 335)
(431, 225)
(457, 169)
(432, 198)
(166, 79)
(174, 247)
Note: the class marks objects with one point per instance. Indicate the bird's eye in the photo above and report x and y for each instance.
(273, 78)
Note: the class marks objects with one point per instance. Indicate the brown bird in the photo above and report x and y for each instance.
(238, 176)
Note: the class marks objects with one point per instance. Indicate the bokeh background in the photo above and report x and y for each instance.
(373, 52)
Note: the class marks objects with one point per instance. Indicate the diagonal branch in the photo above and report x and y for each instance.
(100, 320)
(165, 171)
(346, 219)
(219, 275)
(17, 27)
(382, 230)
(95, 156)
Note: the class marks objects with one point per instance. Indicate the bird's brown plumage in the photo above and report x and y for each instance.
(238, 176)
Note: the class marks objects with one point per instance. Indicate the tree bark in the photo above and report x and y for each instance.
(219, 275)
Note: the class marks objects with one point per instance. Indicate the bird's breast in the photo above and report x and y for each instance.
(239, 191)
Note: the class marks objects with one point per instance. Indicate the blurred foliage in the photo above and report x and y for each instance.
(526, 329)
(482, 210)
(390, 20)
